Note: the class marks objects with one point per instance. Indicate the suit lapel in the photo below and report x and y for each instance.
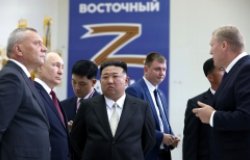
(35, 94)
(151, 103)
(164, 102)
(72, 107)
(208, 98)
(49, 102)
(32, 90)
(94, 94)
(126, 115)
(101, 113)
(229, 77)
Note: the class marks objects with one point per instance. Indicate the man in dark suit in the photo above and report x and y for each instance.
(229, 116)
(49, 76)
(196, 134)
(113, 126)
(147, 89)
(24, 126)
(84, 74)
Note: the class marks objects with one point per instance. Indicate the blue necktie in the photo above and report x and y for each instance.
(162, 113)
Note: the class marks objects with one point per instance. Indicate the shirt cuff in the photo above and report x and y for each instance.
(211, 120)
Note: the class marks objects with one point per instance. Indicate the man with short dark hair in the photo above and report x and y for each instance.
(113, 126)
(148, 90)
(84, 74)
(196, 138)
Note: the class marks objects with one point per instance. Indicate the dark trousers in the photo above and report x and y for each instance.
(164, 155)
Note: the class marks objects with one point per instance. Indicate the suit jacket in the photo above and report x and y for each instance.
(59, 137)
(140, 90)
(92, 138)
(24, 126)
(69, 106)
(196, 134)
(231, 131)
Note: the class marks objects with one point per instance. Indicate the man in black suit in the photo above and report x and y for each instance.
(196, 134)
(24, 126)
(84, 74)
(113, 126)
(49, 76)
(229, 115)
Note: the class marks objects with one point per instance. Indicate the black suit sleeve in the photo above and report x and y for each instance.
(191, 132)
(148, 137)
(9, 87)
(78, 133)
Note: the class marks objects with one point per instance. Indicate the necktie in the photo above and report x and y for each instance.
(56, 104)
(114, 119)
(79, 102)
(163, 116)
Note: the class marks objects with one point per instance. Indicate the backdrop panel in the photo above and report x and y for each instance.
(125, 30)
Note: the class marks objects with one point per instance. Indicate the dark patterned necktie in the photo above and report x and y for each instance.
(56, 104)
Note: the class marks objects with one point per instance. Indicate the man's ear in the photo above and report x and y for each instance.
(145, 68)
(224, 44)
(94, 81)
(210, 78)
(18, 50)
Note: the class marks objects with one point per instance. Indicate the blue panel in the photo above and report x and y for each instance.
(133, 27)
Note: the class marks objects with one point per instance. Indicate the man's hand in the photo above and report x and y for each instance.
(176, 141)
(168, 139)
(204, 112)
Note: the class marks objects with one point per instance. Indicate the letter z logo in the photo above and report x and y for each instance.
(125, 33)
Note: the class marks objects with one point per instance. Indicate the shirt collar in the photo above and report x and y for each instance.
(78, 99)
(21, 66)
(212, 91)
(120, 101)
(89, 95)
(45, 86)
(235, 60)
(151, 87)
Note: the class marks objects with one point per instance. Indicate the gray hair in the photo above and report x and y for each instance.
(15, 37)
(232, 36)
